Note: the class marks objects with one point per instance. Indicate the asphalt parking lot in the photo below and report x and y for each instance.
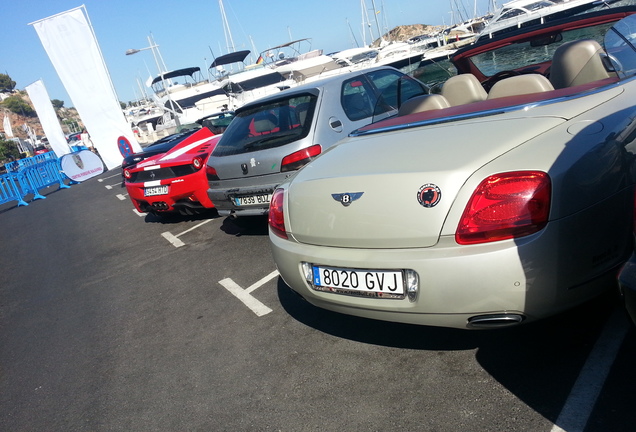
(115, 321)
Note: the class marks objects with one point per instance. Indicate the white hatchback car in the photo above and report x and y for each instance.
(272, 138)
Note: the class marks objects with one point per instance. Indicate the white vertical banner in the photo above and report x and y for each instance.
(8, 131)
(72, 47)
(46, 113)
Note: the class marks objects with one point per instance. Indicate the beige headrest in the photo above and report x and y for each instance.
(463, 89)
(423, 103)
(519, 85)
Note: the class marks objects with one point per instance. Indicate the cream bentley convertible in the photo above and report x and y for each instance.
(506, 198)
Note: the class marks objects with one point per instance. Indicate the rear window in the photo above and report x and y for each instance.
(268, 125)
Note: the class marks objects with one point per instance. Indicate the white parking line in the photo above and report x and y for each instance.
(113, 185)
(121, 196)
(174, 239)
(582, 398)
(138, 213)
(244, 294)
(106, 178)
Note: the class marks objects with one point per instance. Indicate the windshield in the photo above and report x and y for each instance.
(217, 123)
(529, 52)
(620, 44)
(268, 125)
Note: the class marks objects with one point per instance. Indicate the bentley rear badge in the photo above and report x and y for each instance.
(347, 198)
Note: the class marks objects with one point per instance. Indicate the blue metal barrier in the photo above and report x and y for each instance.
(28, 176)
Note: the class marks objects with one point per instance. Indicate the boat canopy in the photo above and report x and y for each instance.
(290, 43)
(176, 73)
(234, 57)
(292, 46)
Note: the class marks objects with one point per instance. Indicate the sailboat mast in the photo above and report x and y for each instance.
(226, 29)
(375, 16)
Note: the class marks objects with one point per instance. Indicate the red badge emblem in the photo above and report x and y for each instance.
(429, 195)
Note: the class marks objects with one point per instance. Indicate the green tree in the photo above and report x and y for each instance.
(6, 83)
(8, 148)
(17, 105)
(57, 104)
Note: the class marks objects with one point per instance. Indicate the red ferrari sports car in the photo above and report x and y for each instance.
(174, 181)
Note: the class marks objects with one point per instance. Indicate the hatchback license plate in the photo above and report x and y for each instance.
(378, 283)
(252, 200)
(156, 190)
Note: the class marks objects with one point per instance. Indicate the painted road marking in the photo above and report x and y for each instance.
(244, 294)
(106, 178)
(113, 185)
(580, 403)
(174, 239)
(138, 213)
(121, 196)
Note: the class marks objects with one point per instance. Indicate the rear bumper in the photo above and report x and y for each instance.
(187, 192)
(224, 194)
(529, 278)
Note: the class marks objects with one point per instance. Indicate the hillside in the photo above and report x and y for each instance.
(405, 32)
(65, 115)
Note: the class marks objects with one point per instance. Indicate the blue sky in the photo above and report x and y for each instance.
(190, 32)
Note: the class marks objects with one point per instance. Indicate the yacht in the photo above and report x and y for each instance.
(519, 14)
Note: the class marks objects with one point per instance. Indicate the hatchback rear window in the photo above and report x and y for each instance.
(268, 125)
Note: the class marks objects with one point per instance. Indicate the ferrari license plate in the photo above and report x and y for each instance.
(248, 200)
(377, 283)
(156, 190)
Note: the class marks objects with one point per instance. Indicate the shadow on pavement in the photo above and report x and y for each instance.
(245, 226)
(175, 218)
(537, 362)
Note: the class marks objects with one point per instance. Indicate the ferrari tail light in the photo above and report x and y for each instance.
(276, 216)
(505, 206)
(197, 162)
(211, 173)
(299, 159)
(127, 174)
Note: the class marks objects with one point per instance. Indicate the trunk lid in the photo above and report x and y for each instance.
(383, 175)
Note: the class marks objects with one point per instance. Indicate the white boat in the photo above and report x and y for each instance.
(249, 82)
(141, 115)
(179, 91)
(290, 60)
(519, 14)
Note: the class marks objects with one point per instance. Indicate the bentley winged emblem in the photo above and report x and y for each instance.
(347, 198)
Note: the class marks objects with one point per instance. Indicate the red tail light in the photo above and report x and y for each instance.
(504, 206)
(299, 159)
(127, 174)
(197, 162)
(276, 216)
(211, 173)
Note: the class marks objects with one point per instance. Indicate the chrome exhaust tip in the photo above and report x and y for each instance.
(495, 320)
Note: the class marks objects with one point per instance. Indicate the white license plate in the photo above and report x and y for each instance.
(252, 200)
(375, 283)
(156, 190)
